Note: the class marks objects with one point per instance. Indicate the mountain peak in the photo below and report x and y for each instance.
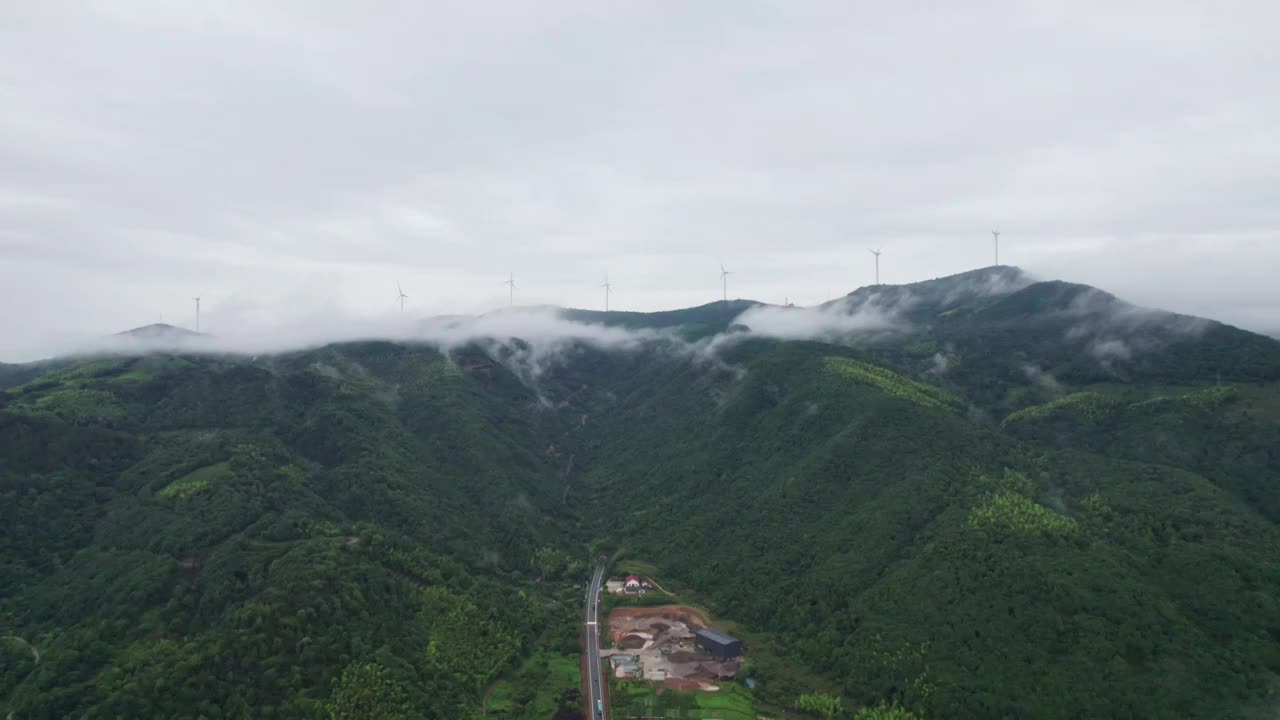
(156, 331)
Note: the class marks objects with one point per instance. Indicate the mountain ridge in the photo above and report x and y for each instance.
(983, 296)
(967, 510)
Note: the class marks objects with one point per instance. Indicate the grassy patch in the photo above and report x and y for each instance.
(1206, 400)
(136, 374)
(1086, 405)
(637, 567)
(499, 703)
(638, 699)
(75, 405)
(535, 689)
(1006, 510)
(892, 383)
(196, 480)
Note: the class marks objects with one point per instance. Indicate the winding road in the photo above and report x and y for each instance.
(596, 709)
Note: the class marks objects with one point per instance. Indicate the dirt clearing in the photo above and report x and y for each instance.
(658, 645)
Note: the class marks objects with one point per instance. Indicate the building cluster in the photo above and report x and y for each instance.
(717, 644)
(719, 659)
(632, 585)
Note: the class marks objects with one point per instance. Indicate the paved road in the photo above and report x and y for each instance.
(595, 680)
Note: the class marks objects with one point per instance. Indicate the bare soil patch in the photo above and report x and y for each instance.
(682, 685)
(680, 613)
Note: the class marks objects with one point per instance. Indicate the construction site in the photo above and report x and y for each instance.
(670, 646)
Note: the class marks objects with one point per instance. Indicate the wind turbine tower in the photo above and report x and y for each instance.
(876, 252)
(510, 282)
(197, 314)
(608, 288)
(724, 280)
(996, 234)
(401, 296)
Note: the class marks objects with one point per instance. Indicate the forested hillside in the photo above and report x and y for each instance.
(917, 556)
(211, 537)
(1006, 498)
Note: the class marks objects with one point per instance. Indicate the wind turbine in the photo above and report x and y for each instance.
(511, 283)
(724, 279)
(996, 235)
(401, 296)
(197, 314)
(876, 252)
(608, 288)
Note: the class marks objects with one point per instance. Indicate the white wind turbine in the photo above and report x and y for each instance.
(400, 296)
(876, 252)
(608, 288)
(510, 282)
(724, 281)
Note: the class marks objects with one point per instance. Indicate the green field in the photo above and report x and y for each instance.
(535, 689)
(196, 480)
(637, 699)
(636, 567)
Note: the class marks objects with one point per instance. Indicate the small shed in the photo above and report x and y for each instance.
(718, 644)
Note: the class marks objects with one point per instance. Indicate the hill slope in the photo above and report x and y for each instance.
(860, 519)
(217, 538)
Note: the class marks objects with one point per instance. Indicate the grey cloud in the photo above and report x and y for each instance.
(1043, 378)
(1114, 348)
(831, 321)
(1112, 330)
(529, 341)
(941, 363)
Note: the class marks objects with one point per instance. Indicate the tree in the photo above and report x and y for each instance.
(367, 691)
(549, 562)
(820, 704)
(885, 711)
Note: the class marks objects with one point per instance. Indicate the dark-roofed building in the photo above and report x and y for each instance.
(718, 644)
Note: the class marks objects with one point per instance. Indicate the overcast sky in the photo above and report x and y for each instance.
(291, 161)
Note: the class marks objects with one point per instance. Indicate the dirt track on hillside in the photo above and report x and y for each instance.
(680, 613)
